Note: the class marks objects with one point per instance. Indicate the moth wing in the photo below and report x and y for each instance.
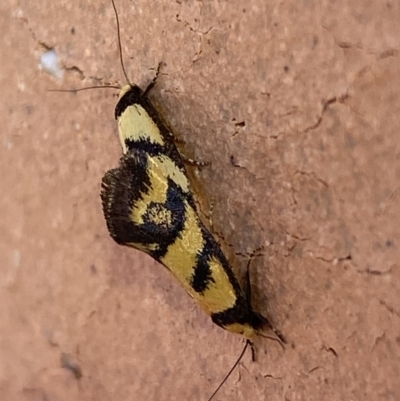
(143, 207)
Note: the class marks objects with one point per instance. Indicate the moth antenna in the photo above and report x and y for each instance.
(119, 43)
(248, 342)
(120, 57)
(247, 277)
(278, 337)
(83, 89)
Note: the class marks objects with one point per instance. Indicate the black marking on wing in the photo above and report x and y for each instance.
(241, 313)
(135, 96)
(122, 187)
(202, 275)
(151, 148)
(132, 96)
(167, 235)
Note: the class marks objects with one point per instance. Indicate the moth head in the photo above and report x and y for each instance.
(132, 89)
(246, 330)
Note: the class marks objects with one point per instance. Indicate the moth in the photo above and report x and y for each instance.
(148, 204)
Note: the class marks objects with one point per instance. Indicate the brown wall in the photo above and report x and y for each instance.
(296, 104)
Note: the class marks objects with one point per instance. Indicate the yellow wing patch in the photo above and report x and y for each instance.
(171, 170)
(220, 295)
(143, 129)
(157, 193)
(181, 255)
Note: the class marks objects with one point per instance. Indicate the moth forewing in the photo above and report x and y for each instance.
(147, 209)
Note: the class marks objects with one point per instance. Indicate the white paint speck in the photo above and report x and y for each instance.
(49, 62)
(18, 13)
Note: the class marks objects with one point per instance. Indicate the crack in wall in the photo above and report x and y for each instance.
(196, 20)
(389, 308)
(334, 260)
(331, 350)
(325, 107)
(313, 176)
(373, 272)
(297, 237)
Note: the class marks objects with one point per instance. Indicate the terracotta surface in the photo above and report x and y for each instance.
(296, 105)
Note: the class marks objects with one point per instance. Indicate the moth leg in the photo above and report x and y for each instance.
(174, 138)
(276, 334)
(253, 351)
(150, 86)
(247, 275)
(194, 162)
(209, 216)
(210, 213)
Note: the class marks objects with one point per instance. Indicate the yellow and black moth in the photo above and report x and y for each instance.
(148, 204)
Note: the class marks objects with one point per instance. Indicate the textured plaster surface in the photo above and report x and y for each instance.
(296, 105)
